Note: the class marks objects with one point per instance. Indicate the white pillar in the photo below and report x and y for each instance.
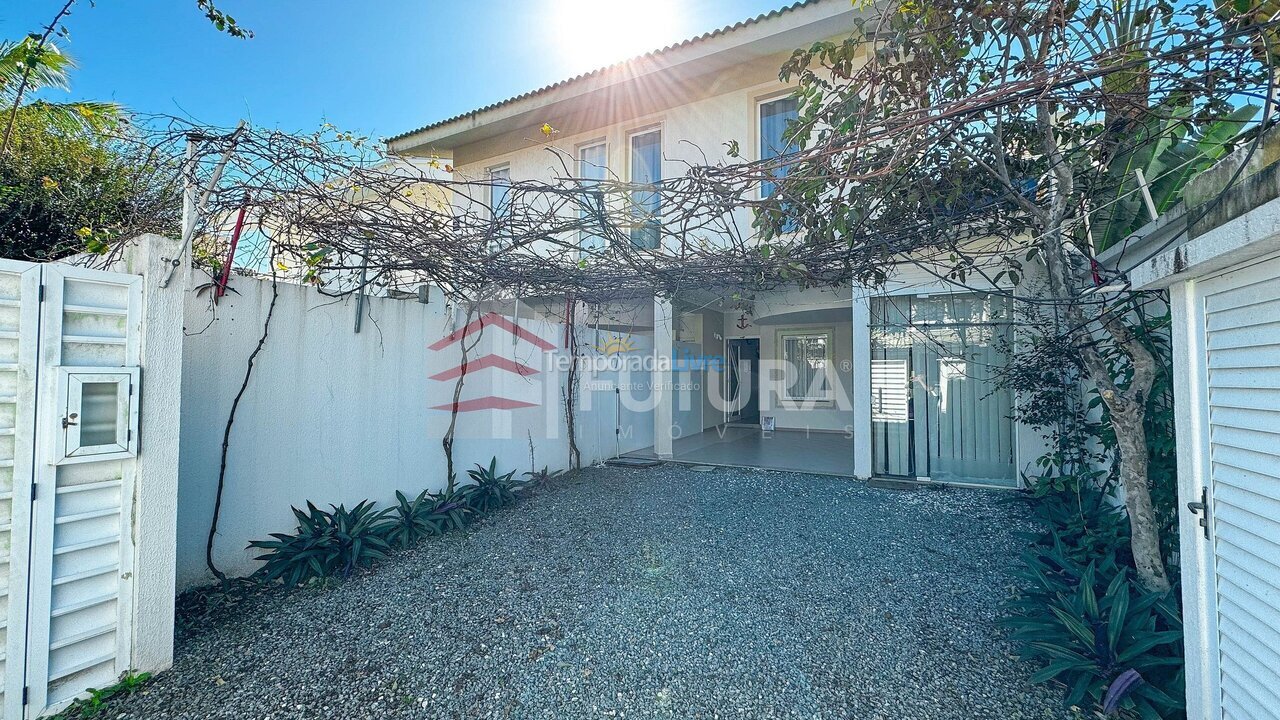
(861, 393)
(663, 350)
(155, 501)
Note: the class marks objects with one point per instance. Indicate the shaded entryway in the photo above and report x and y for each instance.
(811, 451)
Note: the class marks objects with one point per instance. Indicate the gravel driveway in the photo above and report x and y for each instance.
(662, 593)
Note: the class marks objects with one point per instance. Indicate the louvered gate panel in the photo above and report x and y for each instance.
(82, 549)
(19, 325)
(1242, 334)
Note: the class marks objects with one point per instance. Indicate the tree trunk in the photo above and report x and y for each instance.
(447, 440)
(571, 386)
(1144, 530)
(1127, 404)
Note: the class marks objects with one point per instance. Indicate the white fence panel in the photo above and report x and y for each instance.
(79, 628)
(19, 324)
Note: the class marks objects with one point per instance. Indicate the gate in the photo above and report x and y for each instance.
(1231, 530)
(69, 406)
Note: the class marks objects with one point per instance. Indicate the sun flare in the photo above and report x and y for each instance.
(594, 33)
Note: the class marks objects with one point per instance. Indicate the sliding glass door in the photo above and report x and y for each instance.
(937, 408)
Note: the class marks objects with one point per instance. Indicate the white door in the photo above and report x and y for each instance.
(1240, 446)
(69, 389)
(19, 325)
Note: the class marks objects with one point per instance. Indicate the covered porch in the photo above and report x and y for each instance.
(900, 385)
(808, 451)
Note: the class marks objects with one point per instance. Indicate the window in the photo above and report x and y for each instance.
(646, 205)
(775, 117)
(592, 167)
(499, 204)
(806, 357)
(99, 414)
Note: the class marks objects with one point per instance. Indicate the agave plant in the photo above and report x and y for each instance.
(325, 544)
(1096, 630)
(536, 479)
(490, 491)
(412, 520)
(451, 509)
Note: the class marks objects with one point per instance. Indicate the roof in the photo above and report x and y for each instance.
(610, 68)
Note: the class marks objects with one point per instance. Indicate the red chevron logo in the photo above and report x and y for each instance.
(488, 402)
(495, 320)
(488, 361)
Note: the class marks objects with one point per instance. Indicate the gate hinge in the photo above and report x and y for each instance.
(40, 293)
(1202, 508)
(26, 695)
(34, 487)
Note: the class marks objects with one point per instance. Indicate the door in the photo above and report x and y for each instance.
(19, 327)
(937, 410)
(69, 387)
(1241, 376)
(741, 392)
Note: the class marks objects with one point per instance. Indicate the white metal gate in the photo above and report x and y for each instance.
(69, 389)
(1239, 444)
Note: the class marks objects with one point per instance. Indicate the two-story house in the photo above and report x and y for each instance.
(835, 380)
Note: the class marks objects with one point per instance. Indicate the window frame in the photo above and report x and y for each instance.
(757, 123)
(491, 176)
(758, 105)
(69, 447)
(495, 212)
(583, 236)
(632, 225)
(826, 333)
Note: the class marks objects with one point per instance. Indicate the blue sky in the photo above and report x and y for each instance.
(378, 67)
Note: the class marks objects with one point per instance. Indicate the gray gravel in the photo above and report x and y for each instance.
(643, 593)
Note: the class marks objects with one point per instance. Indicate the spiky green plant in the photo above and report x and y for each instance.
(325, 544)
(412, 520)
(488, 490)
(1090, 624)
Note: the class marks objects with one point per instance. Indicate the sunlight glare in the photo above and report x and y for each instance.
(594, 33)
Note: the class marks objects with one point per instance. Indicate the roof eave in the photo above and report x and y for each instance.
(445, 135)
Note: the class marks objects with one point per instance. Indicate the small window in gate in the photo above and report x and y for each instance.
(99, 414)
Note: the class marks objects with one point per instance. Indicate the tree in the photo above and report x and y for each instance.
(64, 191)
(35, 63)
(985, 138)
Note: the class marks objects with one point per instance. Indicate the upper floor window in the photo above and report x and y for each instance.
(592, 168)
(646, 205)
(775, 117)
(499, 204)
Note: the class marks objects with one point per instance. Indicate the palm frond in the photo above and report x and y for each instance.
(44, 66)
(73, 117)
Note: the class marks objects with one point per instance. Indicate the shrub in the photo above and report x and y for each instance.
(325, 544)
(412, 520)
(537, 479)
(328, 543)
(1085, 524)
(1091, 623)
(453, 508)
(490, 491)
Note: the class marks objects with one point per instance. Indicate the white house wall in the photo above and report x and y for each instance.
(695, 134)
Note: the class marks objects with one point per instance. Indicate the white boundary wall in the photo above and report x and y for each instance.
(332, 416)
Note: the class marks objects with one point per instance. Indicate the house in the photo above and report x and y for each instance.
(836, 380)
(1218, 255)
